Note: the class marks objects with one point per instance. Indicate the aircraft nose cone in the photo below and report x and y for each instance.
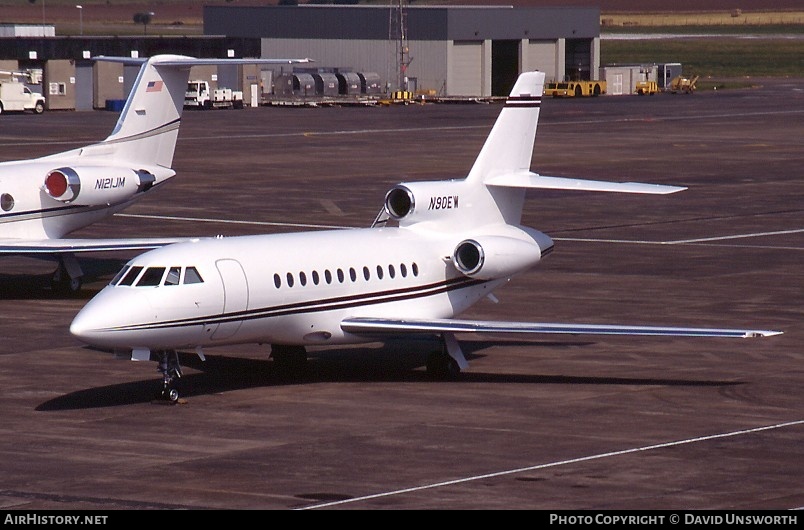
(84, 326)
(102, 320)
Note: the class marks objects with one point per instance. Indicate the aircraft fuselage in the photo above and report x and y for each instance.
(291, 288)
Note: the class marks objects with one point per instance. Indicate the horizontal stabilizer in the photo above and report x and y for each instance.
(372, 326)
(536, 181)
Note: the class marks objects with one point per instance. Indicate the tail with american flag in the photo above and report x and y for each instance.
(148, 127)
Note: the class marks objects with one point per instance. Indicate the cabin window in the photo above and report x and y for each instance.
(277, 281)
(328, 276)
(290, 280)
(379, 271)
(315, 277)
(340, 275)
(391, 271)
(191, 275)
(151, 277)
(352, 274)
(302, 278)
(173, 276)
(403, 270)
(366, 273)
(415, 269)
(130, 276)
(6, 202)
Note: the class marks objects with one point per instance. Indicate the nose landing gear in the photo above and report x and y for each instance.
(171, 373)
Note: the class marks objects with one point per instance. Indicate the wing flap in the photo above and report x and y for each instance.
(373, 326)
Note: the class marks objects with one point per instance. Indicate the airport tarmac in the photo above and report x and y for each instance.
(544, 423)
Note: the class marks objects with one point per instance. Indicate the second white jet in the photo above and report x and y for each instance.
(455, 243)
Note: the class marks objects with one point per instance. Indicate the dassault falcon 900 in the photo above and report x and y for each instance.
(453, 242)
(44, 199)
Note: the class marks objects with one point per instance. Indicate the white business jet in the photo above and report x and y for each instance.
(44, 199)
(454, 242)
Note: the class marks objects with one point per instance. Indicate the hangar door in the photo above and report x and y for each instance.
(578, 59)
(83, 85)
(504, 66)
(466, 68)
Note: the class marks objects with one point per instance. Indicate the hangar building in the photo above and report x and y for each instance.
(453, 51)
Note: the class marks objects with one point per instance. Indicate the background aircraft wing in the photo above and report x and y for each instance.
(380, 326)
(56, 246)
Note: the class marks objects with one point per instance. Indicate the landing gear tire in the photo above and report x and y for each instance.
(441, 366)
(171, 395)
(171, 372)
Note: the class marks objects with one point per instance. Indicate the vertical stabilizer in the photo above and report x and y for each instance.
(148, 127)
(509, 146)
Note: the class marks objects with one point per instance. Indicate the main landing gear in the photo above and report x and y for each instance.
(67, 278)
(447, 363)
(289, 360)
(441, 366)
(171, 373)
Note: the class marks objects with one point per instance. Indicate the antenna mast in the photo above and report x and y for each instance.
(399, 32)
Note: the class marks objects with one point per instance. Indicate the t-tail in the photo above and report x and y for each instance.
(148, 127)
(494, 190)
(146, 131)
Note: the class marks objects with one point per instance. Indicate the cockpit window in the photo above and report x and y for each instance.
(129, 277)
(151, 277)
(119, 275)
(155, 276)
(191, 276)
(173, 276)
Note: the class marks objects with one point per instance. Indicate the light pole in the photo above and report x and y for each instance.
(80, 9)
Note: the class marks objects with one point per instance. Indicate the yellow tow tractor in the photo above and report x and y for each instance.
(569, 89)
(683, 85)
(647, 87)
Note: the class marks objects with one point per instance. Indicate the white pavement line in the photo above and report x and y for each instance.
(737, 236)
(225, 221)
(594, 240)
(561, 463)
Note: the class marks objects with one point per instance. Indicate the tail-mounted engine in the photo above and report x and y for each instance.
(91, 185)
(426, 201)
(489, 257)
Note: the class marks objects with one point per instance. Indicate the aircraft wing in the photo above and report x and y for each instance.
(58, 246)
(384, 326)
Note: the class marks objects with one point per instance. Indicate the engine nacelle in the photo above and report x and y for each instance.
(425, 201)
(489, 257)
(92, 185)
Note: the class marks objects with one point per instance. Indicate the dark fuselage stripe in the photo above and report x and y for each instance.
(314, 306)
(165, 127)
(67, 209)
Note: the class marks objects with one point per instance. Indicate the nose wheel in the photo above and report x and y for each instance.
(171, 372)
